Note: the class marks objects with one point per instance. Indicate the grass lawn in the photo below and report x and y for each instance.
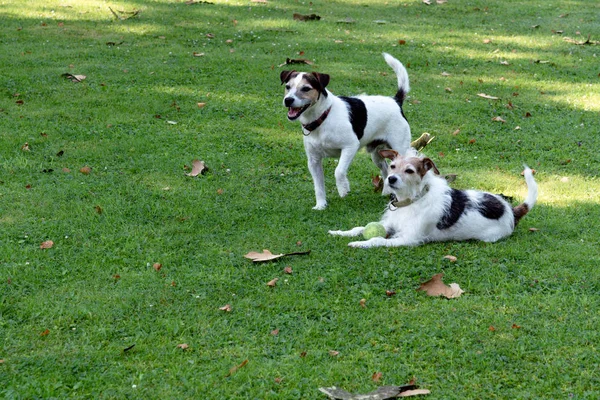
(126, 302)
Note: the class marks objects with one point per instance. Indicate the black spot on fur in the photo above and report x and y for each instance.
(459, 202)
(371, 147)
(491, 207)
(400, 96)
(358, 115)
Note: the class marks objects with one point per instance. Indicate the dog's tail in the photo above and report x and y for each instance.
(532, 192)
(403, 84)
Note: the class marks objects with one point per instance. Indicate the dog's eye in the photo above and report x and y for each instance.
(306, 89)
(392, 166)
(288, 87)
(409, 171)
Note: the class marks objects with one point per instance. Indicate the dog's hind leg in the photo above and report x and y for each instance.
(351, 233)
(341, 171)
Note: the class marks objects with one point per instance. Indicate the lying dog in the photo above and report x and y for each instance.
(426, 209)
(339, 126)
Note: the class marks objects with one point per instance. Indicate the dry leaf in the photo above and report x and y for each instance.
(414, 392)
(183, 346)
(195, 54)
(85, 170)
(450, 258)
(201, 105)
(74, 78)
(47, 244)
(390, 293)
(376, 377)
(198, 167)
(157, 266)
(266, 255)
(491, 328)
(235, 368)
(515, 326)
(456, 132)
(98, 210)
(445, 74)
(272, 282)
(533, 229)
(26, 147)
(435, 287)
(498, 119)
(288, 270)
(275, 332)
(45, 333)
(487, 96)
(334, 353)
(363, 303)
(226, 308)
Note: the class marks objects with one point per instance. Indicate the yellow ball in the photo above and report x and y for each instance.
(374, 229)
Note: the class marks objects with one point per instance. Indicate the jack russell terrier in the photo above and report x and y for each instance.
(339, 126)
(426, 209)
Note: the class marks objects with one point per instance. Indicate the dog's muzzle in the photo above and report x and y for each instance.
(294, 112)
(392, 179)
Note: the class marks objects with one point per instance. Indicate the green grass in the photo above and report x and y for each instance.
(95, 293)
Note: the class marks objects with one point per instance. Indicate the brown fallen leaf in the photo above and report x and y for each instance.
(226, 308)
(47, 244)
(182, 346)
(74, 78)
(201, 105)
(198, 167)
(450, 258)
(487, 96)
(272, 282)
(26, 147)
(288, 270)
(414, 392)
(266, 255)
(498, 119)
(363, 303)
(390, 293)
(45, 333)
(235, 368)
(99, 210)
(376, 377)
(85, 170)
(157, 266)
(334, 353)
(435, 287)
(422, 141)
(275, 332)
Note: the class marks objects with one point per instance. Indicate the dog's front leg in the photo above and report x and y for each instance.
(383, 242)
(341, 171)
(352, 232)
(315, 166)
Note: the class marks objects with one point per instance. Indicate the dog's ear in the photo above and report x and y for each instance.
(323, 80)
(429, 165)
(391, 154)
(286, 75)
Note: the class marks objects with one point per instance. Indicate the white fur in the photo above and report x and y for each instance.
(336, 138)
(417, 222)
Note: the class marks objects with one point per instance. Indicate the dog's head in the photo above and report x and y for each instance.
(406, 173)
(302, 90)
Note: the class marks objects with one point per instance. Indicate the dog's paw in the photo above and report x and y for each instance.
(320, 206)
(360, 245)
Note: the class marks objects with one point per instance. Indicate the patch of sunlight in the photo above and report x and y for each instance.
(65, 10)
(552, 189)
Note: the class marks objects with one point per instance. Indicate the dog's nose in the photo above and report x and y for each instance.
(288, 101)
(392, 179)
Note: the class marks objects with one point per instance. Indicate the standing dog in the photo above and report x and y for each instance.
(426, 209)
(339, 126)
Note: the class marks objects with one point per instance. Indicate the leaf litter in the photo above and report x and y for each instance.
(436, 287)
(266, 255)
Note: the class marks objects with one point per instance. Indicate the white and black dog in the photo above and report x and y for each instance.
(426, 209)
(339, 126)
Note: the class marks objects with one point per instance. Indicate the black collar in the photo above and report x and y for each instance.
(317, 122)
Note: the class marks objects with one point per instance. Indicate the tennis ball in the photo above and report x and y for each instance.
(374, 229)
